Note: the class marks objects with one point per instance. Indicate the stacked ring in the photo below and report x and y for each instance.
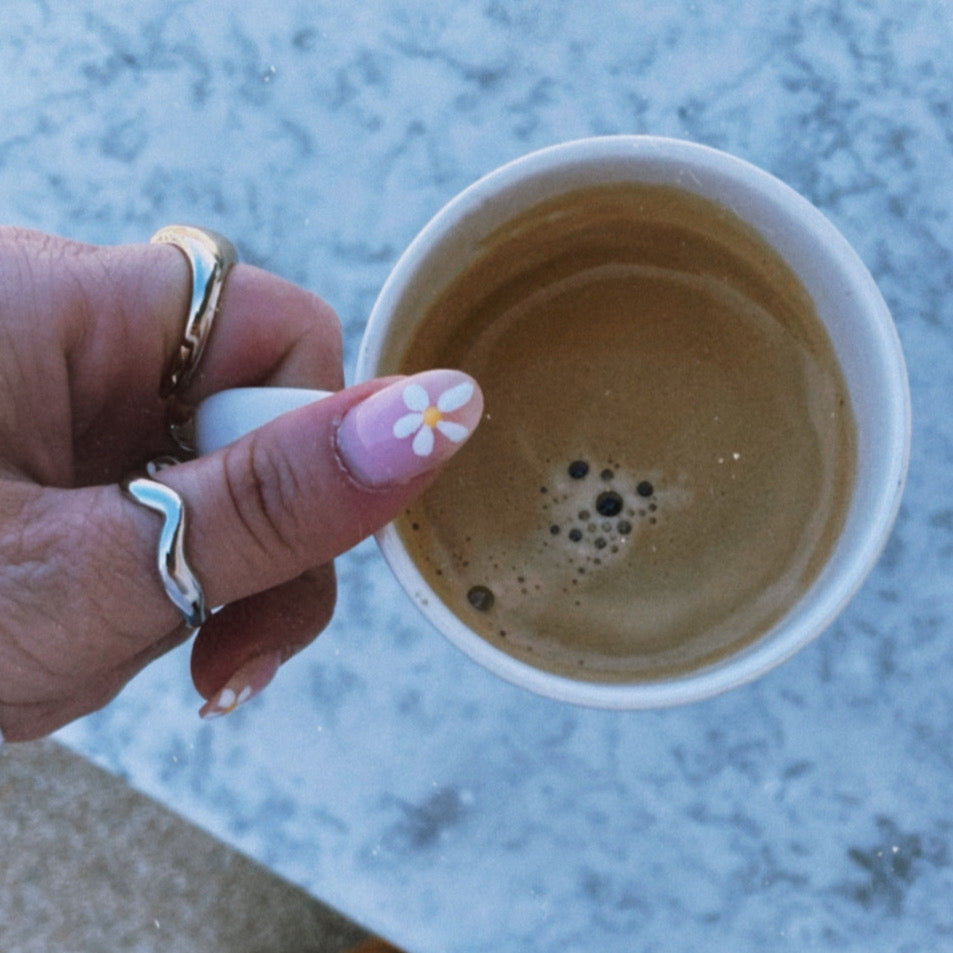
(210, 257)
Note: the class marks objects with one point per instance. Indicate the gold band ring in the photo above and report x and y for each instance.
(210, 257)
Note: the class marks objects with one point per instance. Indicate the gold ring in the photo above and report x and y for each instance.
(210, 257)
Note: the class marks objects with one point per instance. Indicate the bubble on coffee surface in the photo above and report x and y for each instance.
(481, 598)
(578, 469)
(609, 503)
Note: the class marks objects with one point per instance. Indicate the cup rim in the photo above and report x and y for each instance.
(831, 591)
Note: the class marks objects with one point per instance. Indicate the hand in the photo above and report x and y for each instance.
(86, 336)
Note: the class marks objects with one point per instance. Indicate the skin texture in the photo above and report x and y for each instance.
(86, 334)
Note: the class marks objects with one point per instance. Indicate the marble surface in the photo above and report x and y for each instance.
(383, 771)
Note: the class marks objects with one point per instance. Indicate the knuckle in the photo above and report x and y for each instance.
(319, 346)
(262, 488)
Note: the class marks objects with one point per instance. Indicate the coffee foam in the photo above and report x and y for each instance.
(589, 518)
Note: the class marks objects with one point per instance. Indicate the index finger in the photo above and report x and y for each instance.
(267, 331)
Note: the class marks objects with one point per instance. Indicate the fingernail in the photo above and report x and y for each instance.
(409, 427)
(254, 676)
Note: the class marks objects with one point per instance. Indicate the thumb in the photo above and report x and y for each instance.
(265, 511)
(308, 486)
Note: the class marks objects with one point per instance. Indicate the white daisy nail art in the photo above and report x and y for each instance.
(409, 427)
(425, 416)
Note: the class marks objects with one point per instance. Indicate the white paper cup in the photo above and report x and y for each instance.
(846, 299)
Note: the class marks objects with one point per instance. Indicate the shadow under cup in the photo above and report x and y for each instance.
(845, 299)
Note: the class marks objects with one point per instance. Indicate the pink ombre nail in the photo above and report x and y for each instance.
(409, 427)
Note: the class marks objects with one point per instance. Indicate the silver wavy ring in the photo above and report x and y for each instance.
(180, 582)
(210, 257)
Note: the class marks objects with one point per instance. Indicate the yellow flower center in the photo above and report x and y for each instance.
(432, 416)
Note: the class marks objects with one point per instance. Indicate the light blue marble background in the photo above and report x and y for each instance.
(383, 771)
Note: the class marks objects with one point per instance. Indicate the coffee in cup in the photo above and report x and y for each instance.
(696, 421)
(668, 449)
